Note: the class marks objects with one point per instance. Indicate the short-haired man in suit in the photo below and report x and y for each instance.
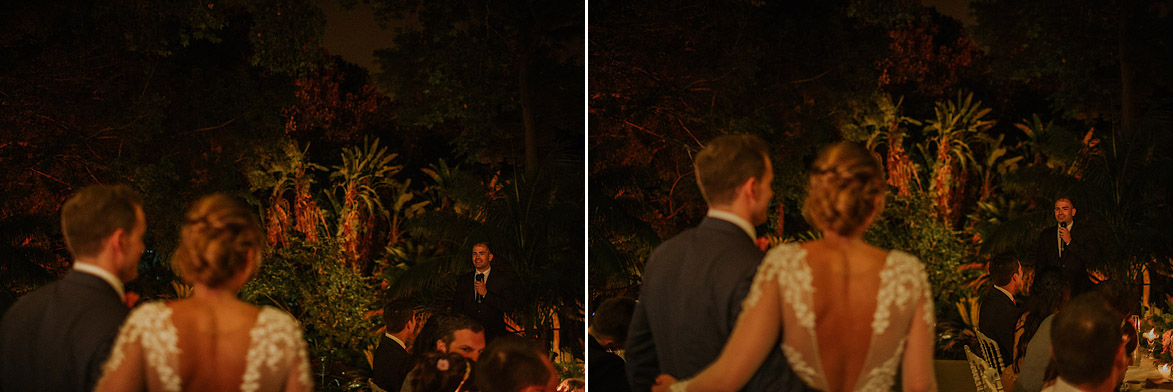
(448, 333)
(693, 284)
(608, 331)
(1088, 344)
(391, 359)
(999, 310)
(57, 337)
(1063, 247)
(488, 292)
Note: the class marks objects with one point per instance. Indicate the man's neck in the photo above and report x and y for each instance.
(400, 338)
(1007, 290)
(731, 216)
(104, 273)
(487, 268)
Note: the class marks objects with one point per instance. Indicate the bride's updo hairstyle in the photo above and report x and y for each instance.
(217, 234)
(845, 181)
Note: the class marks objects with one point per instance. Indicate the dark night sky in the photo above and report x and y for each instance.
(354, 34)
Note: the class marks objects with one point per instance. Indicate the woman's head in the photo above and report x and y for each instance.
(846, 188)
(218, 237)
(442, 372)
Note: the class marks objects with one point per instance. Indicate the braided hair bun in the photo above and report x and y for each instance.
(216, 237)
(845, 181)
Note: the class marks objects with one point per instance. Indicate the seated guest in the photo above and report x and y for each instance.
(1032, 350)
(392, 362)
(608, 331)
(999, 312)
(514, 364)
(442, 372)
(1088, 346)
(452, 333)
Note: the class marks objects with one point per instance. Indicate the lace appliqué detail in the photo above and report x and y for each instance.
(798, 364)
(275, 338)
(150, 327)
(901, 283)
(795, 284)
(881, 379)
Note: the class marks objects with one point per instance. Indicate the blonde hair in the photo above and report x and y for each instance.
(217, 235)
(845, 181)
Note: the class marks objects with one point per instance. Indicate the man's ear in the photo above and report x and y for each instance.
(116, 240)
(440, 346)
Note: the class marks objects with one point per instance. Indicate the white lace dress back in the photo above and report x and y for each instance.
(146, 354)
(903, 295)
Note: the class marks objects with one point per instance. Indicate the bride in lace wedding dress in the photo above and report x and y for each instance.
(211, 341)
(850, 314)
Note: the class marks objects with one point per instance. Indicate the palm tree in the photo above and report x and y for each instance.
(958, 124)
(357, 181)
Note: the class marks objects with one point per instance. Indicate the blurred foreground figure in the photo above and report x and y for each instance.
(211, 341)
(57, 337)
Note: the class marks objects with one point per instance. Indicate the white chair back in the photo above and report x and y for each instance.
(990, 351)
(985, 378)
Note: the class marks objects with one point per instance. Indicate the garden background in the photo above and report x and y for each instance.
(371, 183)
(981, 118)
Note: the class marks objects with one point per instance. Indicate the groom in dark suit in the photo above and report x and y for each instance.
(999, 310)
(693, 284)
(57, 337)
(391, 360)
(488, 292)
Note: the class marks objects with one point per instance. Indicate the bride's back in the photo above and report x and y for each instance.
(845, 194)
(846, 283)
(214, 341)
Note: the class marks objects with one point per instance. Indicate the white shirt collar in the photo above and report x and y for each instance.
(737, 220)
(401, 344)
(487, 270)
(1062, 385)
(101, 273)
(1011, 296)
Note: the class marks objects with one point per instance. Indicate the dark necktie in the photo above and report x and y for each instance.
(480, 278)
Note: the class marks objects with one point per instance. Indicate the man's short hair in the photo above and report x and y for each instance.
(94, 213)
(1002, 269)
(725, 163)
(1065, 198)
(511, 363)
(448, 324)
(484, 244)
(397, 313)
(612, 318)
(1085, 337)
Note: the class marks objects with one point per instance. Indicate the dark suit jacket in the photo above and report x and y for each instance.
(691, 295)
(392, 362)
(996, 319)
(1084, 247)
(500, 298)
(606, 369)
(57, 337)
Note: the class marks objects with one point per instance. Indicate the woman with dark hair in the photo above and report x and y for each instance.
(1032, 347)
(442, 372)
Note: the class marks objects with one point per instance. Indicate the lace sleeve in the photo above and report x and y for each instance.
(125, 370)
(918, 353)
(277, 354)
(760, 320)
(299, 378)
